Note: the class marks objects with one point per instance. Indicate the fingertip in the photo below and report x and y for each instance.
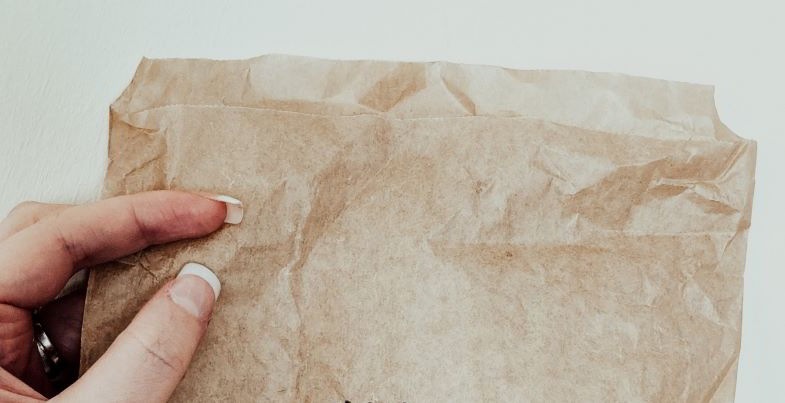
(198, 215)
(203, 272)
(216, 214)
(234, 207)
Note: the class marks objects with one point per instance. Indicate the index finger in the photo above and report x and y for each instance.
(36, 262)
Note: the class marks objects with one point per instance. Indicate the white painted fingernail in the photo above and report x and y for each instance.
(234, 207)
(203, 272)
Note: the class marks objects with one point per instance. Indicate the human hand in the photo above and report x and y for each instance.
(43, 245)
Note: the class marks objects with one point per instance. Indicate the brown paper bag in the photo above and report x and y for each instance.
(433, 232)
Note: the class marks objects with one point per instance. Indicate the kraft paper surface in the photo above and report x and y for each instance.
(436, 232)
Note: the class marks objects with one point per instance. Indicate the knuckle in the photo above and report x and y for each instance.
(77, 251)
(150, 224)
(159, 354)
(24, 207)
(165, 216)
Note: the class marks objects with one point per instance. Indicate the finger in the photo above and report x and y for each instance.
(36, 262)
(147, 361)
(26, 214)
(12, 388)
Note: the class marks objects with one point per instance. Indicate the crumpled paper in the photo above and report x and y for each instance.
(423, 232)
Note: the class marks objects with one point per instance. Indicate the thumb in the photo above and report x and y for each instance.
(149, 358)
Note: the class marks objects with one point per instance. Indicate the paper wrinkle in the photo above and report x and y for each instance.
(683, 102)
(548, 236)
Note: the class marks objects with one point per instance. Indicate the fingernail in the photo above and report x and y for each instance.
(196, 289)
(234, 207)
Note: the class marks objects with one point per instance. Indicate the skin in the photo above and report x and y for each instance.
(43, 245)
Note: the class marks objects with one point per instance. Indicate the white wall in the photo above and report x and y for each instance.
(63, 63)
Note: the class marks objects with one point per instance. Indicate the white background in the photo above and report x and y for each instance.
(63, 63)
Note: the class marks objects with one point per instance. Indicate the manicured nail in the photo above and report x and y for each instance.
(234, 207)
(196, 289)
